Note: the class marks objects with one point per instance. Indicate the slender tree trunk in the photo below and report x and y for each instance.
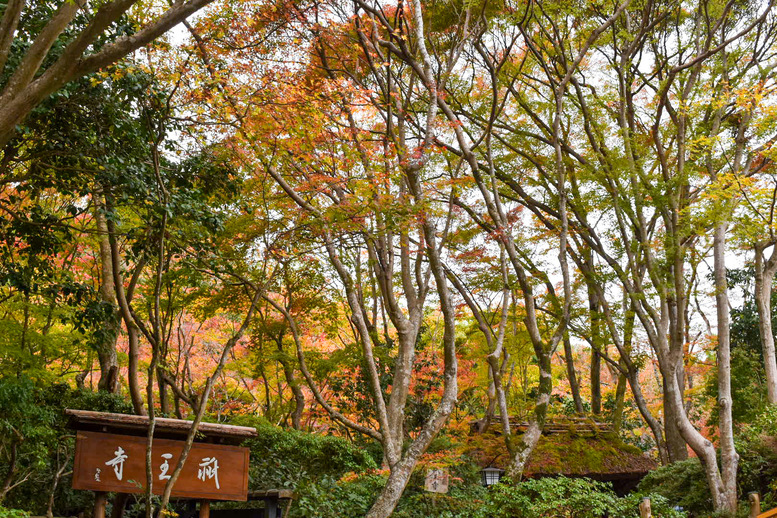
(620, 399)
(11, 470)
(136, 394)
(574, 386)
(594, 318)
(531, 436)
(267, 392)
(702, 446)
(164, 400)
(485, 423)
(296, 389)
(106, 343)
(729, 459)
(653, 423)
(625, 364)
(765, 270)
(61, 467)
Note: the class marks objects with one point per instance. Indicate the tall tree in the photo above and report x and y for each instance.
(39, 55)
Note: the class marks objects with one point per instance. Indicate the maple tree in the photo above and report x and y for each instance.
(386, 221)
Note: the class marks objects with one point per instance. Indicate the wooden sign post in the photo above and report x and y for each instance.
(107, 460)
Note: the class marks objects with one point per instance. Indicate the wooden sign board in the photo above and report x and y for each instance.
(109, 462)
(437, 481)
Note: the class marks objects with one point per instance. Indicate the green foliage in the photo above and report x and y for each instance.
(550, 497)
(13, 513)
(682, 483)
(33, 416)
(26, 429)
(282, 458)
(465, 497)
(327, 497)
(353, 496)
(757, 447)
(748, 386)
(568, 498)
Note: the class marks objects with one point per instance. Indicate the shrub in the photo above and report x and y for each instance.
(682, 483)
(36, 414)
(557, 497)
(460, 502)
(561, 497)
(282, 458)
(345, 499)
(13, 513)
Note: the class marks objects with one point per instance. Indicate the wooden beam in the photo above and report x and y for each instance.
(89, 420)
(100, 499)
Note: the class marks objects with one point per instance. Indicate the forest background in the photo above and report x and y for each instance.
(372, 228)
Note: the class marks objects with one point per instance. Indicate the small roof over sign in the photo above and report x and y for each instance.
(163, 427)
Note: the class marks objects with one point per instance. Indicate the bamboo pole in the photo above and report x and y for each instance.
(644, 508)
(755, 504)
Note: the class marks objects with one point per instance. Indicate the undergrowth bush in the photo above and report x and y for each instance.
(36, 415)
(283, 458)
(682, 483)
(561, 497)
(328, 497)
(13, 513)
(552, 497)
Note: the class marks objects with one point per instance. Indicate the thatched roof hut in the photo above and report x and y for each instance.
(572, 448)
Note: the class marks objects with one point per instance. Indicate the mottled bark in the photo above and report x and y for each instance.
(676, 447)
(594, 319)
(620, 399)
(729, 459)
(765, 270)
(531, 436)
(105, 343)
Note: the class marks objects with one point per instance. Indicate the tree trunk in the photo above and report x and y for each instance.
(620, 398)
(11, 471)
(296, 390)
(531, 436)
(106, 339)
(676, 446)
(594, 318)
(164, 400)
(729, 459)
(764, 280)
(702, 446)
(485, 423)
(136, 394)
(652, 422)
(574, 386)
